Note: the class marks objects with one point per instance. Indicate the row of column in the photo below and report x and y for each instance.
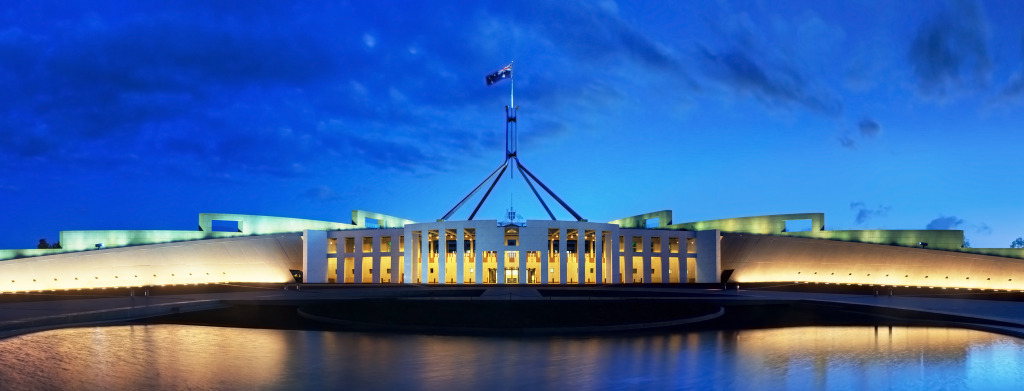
(421, 251)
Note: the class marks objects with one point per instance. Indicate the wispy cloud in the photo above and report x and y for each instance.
(981, 228)
(209, 90)
(746, 75)
(945, 222)
(863, 213)
(847, 142)
(1014, 88)
(321, 194)
(950, 52)
(869, 128)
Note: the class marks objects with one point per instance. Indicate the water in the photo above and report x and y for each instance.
(806, 358)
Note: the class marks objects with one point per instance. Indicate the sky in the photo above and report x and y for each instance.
(881, 114)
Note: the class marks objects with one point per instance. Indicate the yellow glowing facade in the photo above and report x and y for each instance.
(263, 258)
(376, 248)
(535, 252)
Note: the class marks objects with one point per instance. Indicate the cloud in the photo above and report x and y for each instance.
(950, 53)
(864, 213)
(1015, 87)
(945, 222)
(593, 33)
(869, 128)
(209, 90)
(866, 130)
(773, 85)
(847, 142)
(748, 61)
(322, 194)
(982, 228)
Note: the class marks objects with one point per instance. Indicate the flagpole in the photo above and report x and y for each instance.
(512, 108)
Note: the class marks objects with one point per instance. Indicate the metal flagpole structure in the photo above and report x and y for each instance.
(511, 157)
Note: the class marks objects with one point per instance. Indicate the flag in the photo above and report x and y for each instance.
(504, 73)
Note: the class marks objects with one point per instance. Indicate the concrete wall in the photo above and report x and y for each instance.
(72, 241)
(264, 258)
(764, 258)
(87, 240)
(770, 224)
(936, 239)
(776, 225)
(640, 221)
(999, 252)
(29, 252)
(261, 225)
(383, 221)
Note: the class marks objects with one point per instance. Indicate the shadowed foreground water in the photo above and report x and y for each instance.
(196, 357)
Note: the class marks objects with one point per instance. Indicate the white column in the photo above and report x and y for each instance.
(425, 256)
(522, 260)
(709, 256)
(377, 254)
(460, 255)
(614, 269)
(357, 276)
(627, 273)
(646, 266)
(500, 274)
(478, 260)
(664, 260)
(396, 239)
(442, 254)
(581, 256)
(357, 264)
(410, 241)
(563, 255)
(598, 256)
(544, 255)
(314, 256)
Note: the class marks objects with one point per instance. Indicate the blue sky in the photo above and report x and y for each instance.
(882, 114)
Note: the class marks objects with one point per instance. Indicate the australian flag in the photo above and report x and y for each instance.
(504, 73)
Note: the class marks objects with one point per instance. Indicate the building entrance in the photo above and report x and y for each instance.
(512, 275)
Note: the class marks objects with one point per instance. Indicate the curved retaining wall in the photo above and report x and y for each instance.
(764, 258)
(262, 258)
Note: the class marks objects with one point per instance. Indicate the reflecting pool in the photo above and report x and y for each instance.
(197, 357)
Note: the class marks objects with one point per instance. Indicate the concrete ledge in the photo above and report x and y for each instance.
(520, 316)
(120, 314)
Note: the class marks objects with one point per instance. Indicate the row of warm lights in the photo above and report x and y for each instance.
(905, 286)
(908, 276)
(97, 277)
(106, 287)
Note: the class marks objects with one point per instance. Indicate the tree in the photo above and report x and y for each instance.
(967, 243)
(1017, 243)
(43, 244)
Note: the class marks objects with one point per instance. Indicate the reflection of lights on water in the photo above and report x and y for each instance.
(170, 356)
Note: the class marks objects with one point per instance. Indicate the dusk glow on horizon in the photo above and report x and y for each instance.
(881, 114)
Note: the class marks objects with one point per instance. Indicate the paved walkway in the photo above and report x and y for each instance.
(21, 317)
(995, 310)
